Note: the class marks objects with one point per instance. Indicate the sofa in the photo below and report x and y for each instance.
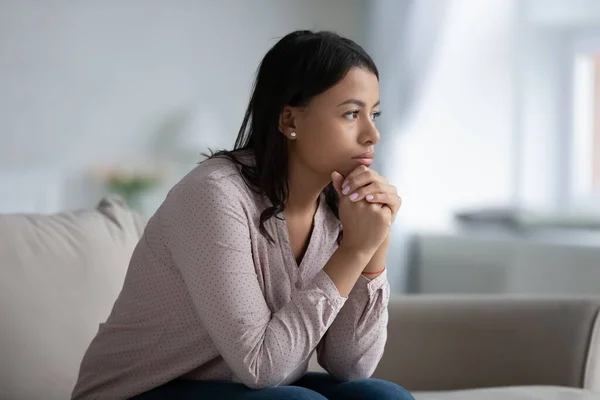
(62, 272)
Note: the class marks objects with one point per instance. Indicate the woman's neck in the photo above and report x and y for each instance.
(305, 188)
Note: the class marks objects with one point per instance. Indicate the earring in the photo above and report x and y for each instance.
(293, 134)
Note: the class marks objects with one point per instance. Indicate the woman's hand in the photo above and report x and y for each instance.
(365, 225)
(364, 183)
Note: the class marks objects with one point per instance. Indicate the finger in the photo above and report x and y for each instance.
(364, 191)
(393, 201)
(358, 180)
(381, 198)
(355, 172)
(337, 179)
(386, 188)
(390, 197)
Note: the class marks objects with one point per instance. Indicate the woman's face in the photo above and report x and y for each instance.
(337, 126)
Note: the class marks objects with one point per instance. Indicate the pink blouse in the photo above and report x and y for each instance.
(207, 296)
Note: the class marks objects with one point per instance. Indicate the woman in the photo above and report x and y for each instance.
(244, 271)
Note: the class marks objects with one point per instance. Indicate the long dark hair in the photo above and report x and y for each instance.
(300, 66)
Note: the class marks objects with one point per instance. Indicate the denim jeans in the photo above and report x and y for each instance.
(312, 386)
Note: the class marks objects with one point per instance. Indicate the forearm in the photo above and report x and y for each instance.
(378, 261)
(345, 266)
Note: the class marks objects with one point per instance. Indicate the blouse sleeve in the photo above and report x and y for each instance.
(354, 344)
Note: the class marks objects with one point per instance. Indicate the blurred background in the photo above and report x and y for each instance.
(490, 131)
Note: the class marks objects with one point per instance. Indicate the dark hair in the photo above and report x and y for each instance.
(300, 66)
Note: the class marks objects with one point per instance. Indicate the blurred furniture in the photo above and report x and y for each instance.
(501, 261)
(494, 347)
(61, 274)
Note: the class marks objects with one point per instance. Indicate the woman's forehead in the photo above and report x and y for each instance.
(358, 84)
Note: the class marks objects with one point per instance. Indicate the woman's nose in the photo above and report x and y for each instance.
(370, 134)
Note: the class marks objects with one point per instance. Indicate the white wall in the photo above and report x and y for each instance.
(89, 82)
(483, 93)
(490, 119)
(491, 124)
(456, 149)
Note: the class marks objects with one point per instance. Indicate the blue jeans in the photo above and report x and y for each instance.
(312, 386)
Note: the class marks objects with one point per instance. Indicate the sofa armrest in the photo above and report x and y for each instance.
(446, 343)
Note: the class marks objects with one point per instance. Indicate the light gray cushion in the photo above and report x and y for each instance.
(512, 393)
(59, 277)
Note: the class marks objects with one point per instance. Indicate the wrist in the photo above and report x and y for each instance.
(345, 266)
(376, 264)
(357, 253)
(373, 268)
(373, 274)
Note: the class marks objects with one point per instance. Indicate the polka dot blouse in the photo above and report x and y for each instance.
(207, 296)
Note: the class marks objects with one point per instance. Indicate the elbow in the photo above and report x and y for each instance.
(259, 369)
(353, 372)
(352, 375)
(261, 380)
(256, 385)
(346, 371)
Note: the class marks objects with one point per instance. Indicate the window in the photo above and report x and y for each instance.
(596, 135)
(586, 127)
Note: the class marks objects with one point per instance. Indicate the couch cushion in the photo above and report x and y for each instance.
(60, 275)
(512, 393)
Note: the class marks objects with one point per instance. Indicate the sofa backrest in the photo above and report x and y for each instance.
(463, 342)
(59, 277)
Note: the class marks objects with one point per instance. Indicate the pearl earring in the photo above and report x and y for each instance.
(293, 134)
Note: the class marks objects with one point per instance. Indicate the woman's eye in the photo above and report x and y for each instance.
(351, 114)
(354, 114)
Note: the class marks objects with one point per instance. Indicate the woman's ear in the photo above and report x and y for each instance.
(287, 124)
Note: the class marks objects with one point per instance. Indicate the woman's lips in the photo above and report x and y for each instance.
(365, 161)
